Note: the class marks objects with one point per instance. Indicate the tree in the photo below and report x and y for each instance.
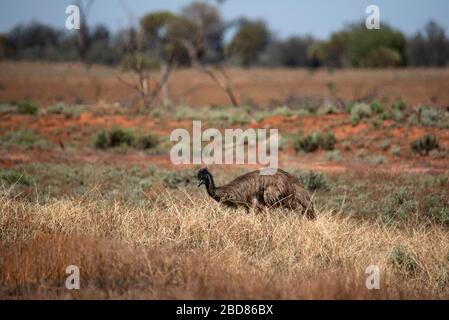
(199, 31)
(294, 52)
(331, 53)
(430, 48)
(363, 44)
(207, 27)
(135, 61)
(32, 41)
(249, 41)
(83, 39)
(357, 46)
(2, 46)
(155, 28)
(100, 50)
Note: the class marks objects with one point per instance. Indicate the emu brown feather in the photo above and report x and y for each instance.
(260, 192)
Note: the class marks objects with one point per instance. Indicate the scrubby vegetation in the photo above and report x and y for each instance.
(118, 137)
(143, 233)
(23, 138)
(67, 111)
(20, 107)
(313, 181)
(314, 141)
(425, 144)
(12, 177)
(27, 107)
(76, 177)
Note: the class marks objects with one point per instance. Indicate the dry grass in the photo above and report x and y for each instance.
(180, 245)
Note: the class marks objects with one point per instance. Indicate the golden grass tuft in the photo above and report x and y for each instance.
(184, 246)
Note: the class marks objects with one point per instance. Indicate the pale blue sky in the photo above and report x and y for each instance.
(285, 17)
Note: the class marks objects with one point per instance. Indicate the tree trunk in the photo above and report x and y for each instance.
(165, 90)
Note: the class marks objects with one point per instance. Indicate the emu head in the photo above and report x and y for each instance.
(203, 177)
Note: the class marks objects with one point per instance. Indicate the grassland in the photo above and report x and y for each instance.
(151, 234)
(86, 180)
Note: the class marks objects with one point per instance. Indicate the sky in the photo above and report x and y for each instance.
(285, 17)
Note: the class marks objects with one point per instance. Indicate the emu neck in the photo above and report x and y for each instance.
(211, 188)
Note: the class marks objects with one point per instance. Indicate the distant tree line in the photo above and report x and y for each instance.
(196, 37)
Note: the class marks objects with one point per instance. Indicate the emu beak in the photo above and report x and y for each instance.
(201, 183)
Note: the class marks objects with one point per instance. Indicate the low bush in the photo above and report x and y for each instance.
(14, 177)
(175, 179)
(65, 110)
(402, 259)
(313, 180)
(333, 155)
(314, 141)
(399, 105)
(147, 141)
(27, 107)
(114, 138)
(123, 138)
(377, 107)
(328, 141)
(360, 111)
(308, 143)
(23, 138)
(425, 144)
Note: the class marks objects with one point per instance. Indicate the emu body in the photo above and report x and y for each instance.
(260, 192)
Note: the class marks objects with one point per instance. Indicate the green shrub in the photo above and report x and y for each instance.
(441, 214)
(282, 111)
(308, 143)
(14, 177)
(355, 119)
(425, 144)
(23, 138)
(386, 115)
(147, 141)
(146, 183)
(377, 160)
(328, 141)
(361, 110)
(313, 180)
(7, 108)
(428, 116)
(377, 107)
(397, 115)
(65, 110)
(175, 179)
(123, 138)
(399, 105)
(385, 144)
(401, 258)
(412, 120)
(327, 109)
(439, 154)
(434, 117)
(114, 138)
(238, 118)
(382, 57)
(333, 155)
(314, 141)
(119, 136)
(101, 140)
(27, 107)
(376, 123)
(395, 151)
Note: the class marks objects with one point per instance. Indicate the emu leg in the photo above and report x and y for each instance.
(255, 207)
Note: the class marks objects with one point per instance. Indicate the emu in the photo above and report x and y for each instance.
(260, 192)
